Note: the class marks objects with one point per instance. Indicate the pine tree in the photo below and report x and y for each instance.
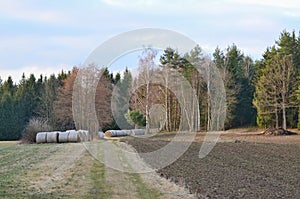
(121, 100)
(232, 88)
(286, 46)
(10, 129)
(103, 102)
(274, 91)
(48, 97)
(238, 73)
(117, 78)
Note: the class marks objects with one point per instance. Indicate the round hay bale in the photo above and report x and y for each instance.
(63, 137)
(101, 134)
(41, 137)
(108, 133)
(52, 137)
(69, 131)
(116, 133)
(138, 132)
(127, 132)
(73, 136)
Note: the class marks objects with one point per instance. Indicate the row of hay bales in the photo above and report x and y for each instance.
(62, 137)
(120, 133)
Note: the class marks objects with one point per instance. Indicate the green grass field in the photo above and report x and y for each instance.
(62, 171)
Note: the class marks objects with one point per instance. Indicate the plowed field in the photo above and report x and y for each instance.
(240, 166)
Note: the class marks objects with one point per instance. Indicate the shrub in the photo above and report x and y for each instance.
(34, 126)
(135, 118)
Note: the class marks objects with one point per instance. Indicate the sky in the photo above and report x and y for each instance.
(47, 36)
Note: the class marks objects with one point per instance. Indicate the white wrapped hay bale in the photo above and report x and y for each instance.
(69, 131)
(116, 133)
(63, 137)
(101, 134)
(73, 136)
(138, 132)
(127, 132)
(109, 133)
(41, 137)
(83, 135)
(52, 137)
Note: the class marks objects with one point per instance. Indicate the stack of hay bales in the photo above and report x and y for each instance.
(120, 133)
(62, 137)
(82, 135)
(47, 137)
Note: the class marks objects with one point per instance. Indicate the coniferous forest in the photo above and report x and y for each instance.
(263, 93)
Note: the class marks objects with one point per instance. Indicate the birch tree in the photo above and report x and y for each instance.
(146, 69)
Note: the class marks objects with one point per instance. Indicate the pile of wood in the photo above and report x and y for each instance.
(121, 133)
(62, 137)
(277, 131)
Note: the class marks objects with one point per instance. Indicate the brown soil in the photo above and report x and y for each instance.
(241, 165)
(241, 135)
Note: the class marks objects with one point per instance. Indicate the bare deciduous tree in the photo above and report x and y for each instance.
(146, 69)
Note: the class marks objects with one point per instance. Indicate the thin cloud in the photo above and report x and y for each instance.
(272, 3)
(293, 13)
(54, 32)
(26, 11)
(126, 3)
(168, 6)
(35, 69)
(260, 23)
(51, 50)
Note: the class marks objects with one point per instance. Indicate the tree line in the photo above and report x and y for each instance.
(262, 93)
(30, 98)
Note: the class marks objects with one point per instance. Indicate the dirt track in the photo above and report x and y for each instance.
(71, 171)
(234, 170)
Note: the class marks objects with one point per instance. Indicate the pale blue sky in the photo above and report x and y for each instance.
(45, 36)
